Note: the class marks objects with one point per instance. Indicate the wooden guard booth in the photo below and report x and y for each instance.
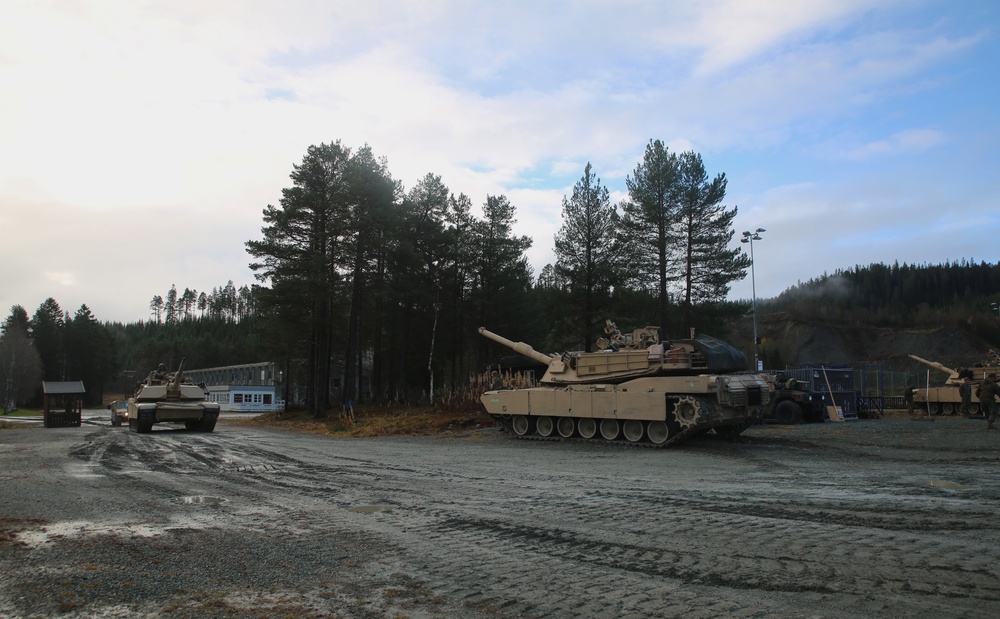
(63, 403)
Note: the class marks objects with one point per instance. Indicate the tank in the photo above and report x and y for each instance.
(792, 401)
(634, 389)
(945, 400)
(169, 398)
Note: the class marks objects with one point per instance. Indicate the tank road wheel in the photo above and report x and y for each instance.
(657, 432)
(192, 425)
(609, 429)
(687, 411)
(565, 427)
(632, 430)
(545, 426)
(587, 427)
(521, 424)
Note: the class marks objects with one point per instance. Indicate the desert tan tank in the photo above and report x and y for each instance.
(945, 400)
(169, 398)
(635, 389)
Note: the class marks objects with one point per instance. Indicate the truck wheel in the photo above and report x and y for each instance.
(788, 412)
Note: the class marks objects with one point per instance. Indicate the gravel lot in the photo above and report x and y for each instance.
(887, 518)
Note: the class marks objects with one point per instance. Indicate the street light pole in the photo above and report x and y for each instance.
(749, 237)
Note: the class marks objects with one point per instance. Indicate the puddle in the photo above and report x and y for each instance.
(370, 509)
(950, 485)
(201, 500)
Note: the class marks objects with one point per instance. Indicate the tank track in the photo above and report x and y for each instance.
(507, 425)
(710, 416)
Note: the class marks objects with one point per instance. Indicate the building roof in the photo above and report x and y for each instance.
(69, 387)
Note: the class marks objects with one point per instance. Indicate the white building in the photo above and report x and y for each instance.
(247, 388)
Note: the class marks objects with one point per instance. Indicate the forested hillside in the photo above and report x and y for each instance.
(882, 313)
(957, 293)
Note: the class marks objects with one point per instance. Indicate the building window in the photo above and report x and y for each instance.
(237, 398)
(267, 398)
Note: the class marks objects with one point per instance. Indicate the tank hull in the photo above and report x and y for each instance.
(194, 415)
(944, 400)
(653, 411)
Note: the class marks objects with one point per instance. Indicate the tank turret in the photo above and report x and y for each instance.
(634, 386)
(625, 357)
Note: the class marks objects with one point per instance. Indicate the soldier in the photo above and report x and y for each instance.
(965, 390)
(908, 396)
(987, 393)
(161, 371)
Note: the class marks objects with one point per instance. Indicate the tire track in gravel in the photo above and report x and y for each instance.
(539, 542)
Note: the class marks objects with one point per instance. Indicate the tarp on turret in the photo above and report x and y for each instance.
(720, 356)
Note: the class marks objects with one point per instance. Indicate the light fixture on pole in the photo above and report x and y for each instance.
(996, 308)
(750, 237)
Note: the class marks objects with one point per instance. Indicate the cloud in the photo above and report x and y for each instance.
(732, 33)
(901, 143)
(125, 122)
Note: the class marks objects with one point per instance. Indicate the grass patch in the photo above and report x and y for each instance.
(371, 421)
(14, 425)
(24, 412)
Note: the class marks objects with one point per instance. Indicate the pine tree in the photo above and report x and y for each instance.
(502, 274)
(649, 219)
(297, 256)
(588, 252)
(90, 355)
(47, 331)
(20, 365)
(702, 235)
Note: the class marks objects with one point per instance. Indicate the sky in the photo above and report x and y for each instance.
(141, 141)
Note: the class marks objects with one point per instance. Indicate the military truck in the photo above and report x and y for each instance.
(168, 398)
(119, 412)
(633, 389)
(793, 402)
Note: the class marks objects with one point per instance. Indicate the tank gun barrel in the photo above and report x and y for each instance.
(179, 375)
(519, 347)
(935, 365)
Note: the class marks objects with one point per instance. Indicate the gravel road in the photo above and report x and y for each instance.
(887, 518)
